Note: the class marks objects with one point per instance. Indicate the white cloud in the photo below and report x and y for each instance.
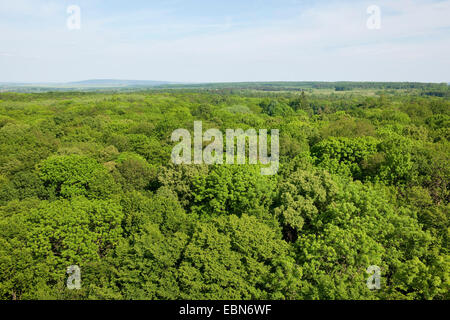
(324, 42)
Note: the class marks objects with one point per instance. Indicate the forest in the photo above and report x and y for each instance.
(86, 179)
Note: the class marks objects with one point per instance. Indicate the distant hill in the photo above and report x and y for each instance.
(117, 83)
(85, 85)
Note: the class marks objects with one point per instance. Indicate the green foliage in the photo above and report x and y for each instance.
(275, 108)
(86, 179)
(69, 176)
(302, 196)
(344, 155)
(40, 242)
(233, 189)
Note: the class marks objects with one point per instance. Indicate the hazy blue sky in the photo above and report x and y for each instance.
(228, 40)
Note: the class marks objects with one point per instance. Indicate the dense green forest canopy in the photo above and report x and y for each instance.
(86, 179)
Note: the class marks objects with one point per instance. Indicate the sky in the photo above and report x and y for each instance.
(225, 41)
